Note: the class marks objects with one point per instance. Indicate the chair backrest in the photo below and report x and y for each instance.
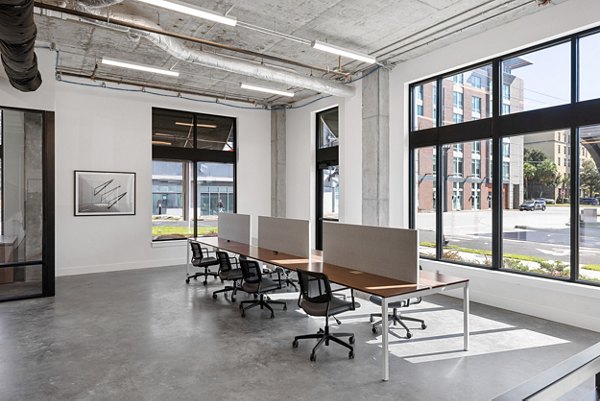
(196, 251)
(224, 262)
(314, 287)
(251, 271)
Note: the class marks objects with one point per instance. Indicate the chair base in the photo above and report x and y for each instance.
(396, 318)
(264, 302)
(324, 336)
(205, 273)
(233, 288)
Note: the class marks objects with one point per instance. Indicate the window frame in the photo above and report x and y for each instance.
(196, 156)
(572, 115)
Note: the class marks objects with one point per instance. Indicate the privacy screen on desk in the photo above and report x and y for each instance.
(234, 227)
(284, 235)
(388, 252)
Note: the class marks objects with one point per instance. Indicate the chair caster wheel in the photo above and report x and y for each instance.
(374, 330)
(409, 335)
(214, 296)
(295, 344)
(423, 326)
(187, 280)
(351, 340)
(313, 357)
(351, 355)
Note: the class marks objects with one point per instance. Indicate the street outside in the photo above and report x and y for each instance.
(544, 234)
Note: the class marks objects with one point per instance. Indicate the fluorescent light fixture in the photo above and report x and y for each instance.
(213, 126)
(161, 143)
(267, 90)
(340, 51)
(194, 11)
(139, 67)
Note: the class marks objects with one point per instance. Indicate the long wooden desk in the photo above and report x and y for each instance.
(390, 290)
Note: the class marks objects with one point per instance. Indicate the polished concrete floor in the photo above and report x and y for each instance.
(146, 335)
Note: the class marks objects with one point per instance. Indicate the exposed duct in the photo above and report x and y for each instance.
(177, 49)
(17, 41)
(99, 3)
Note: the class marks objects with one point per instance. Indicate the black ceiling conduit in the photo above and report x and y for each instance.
(17, 41)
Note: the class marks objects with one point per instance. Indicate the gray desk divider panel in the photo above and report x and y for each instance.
(235, 227)
(385, 251)
(284, 235)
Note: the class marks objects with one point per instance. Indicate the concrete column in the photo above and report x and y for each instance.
(278, 160)
(375, 149)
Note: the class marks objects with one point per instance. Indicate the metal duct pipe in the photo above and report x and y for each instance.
(17, 41)
(177, 49)
(99, 3)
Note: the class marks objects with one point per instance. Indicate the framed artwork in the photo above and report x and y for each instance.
(104, 193)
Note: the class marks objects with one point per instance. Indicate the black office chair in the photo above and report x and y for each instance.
(201, 259)
(317, 300)
(395, 317)
(228, 273)
(255, 283)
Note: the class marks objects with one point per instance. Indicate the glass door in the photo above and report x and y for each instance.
(25, 249)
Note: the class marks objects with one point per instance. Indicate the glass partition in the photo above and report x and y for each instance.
(21, 206)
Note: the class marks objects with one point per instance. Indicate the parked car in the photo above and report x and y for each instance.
(536, 204)
(588, 201)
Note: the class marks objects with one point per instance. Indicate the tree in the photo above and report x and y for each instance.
(534, 155)
(589, 177)
(546, 174)
(528, 175)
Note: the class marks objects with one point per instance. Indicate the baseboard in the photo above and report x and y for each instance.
(74, 270)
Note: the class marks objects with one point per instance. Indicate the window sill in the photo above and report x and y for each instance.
(169, 244)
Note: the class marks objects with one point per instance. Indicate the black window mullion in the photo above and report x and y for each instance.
(441, 172)
(574, 171)
(496, 166)
(411, 191)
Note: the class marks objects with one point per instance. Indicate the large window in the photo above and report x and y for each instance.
(520, 177)
(328, 169)
(193, 173)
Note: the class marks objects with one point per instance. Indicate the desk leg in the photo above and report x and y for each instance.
(187, 261)
(384, 339)
(466, 315)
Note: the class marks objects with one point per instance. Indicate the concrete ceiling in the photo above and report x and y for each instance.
(392, 30)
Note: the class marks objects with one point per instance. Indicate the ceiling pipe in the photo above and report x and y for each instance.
(17, 41)
(177, 49)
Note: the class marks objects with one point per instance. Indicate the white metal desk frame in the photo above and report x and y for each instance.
(384, 310)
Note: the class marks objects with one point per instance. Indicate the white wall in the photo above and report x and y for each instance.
(568, 303)
(101, 129)
(41, 99)
(300, 154)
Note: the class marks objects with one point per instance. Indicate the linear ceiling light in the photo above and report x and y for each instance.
(267, 90)
(342, 52)
(212, 126)
(162, 143)
(189, 9)
(139, 67)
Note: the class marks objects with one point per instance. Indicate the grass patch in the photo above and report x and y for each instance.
(182, 231)
(593, 267)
